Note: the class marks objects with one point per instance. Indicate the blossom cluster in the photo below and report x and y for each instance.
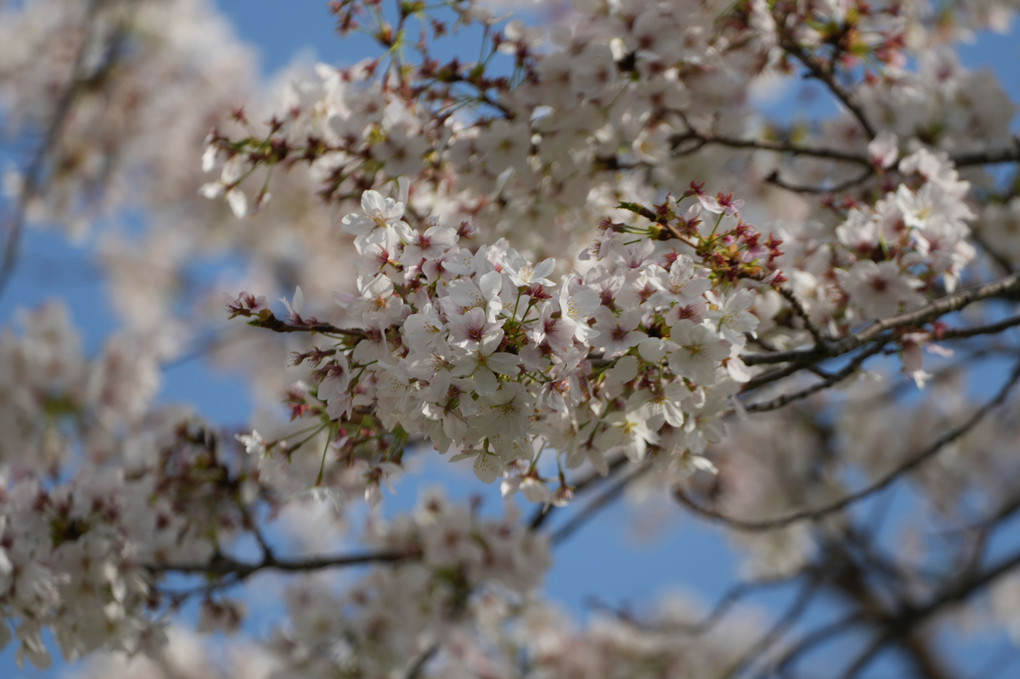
(52, 396)
(466, 321)
(385, 622)
(482, 353)
(494, 645)
(886, 256)
(99, 491)
(621, 88)
(82, 558)
(119, 126)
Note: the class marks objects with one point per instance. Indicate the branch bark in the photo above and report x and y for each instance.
(816, 513)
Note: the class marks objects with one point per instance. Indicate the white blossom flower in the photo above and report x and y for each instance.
(879, 289)
(699, 352)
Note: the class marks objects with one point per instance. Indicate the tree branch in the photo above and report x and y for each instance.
(928, 312)
(602, 501)
(846, 185)
(817, 636)
(271, 322)
(845, 96)
(729, 599)
(814, 514)
(33, 180)
(701, 138)
(990, 329)
(785, 621)
(990, 156)
(223, 565)
(543, 513)
(833, 379)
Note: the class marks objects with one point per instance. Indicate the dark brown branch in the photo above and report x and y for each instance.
(726, 602)
(273, 323)
(697, 139)
(964, 587)
(902, 624)
(817, 71)
(415, 670)
(990, 329)
(846, 185)
(1003, 512)
(222, 565)
(801, 312)
(814, 514)
(543, 513)
(864, 659)
(990, 156)
(955, 302)
(814, 638)
(775, 375)
(33, 179)
(928, 312)
(785, 621)
(851, 368)
(600, 502)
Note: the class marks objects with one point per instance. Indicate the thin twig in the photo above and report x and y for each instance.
(754, 526)
(845, 96)
(990, 156)
(831, 380)
(600, 502)
(785, 621)
(919, 316)
(853, 182)
(32, 181)
(543, 513)
(863, 660)
(222, 565)
(701, 138)
(801, 312)
(726, 602)
(415, 670)
(990, 329)
(815, 637)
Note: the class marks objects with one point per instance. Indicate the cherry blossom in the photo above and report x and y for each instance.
(570, 248)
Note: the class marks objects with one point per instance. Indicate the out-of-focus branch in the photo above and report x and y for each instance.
(928, 312)
(903, 624)
(227, 566)
(846, 185)
(827, 77)
(851, 368)
(726, 602)
(798, 309)
(990, 329)
(813, 638)
(695, 139)
(816, 513)
(876, 646)
(797, 608)
(543, 513)
(963, 587)
(416, 668)
(600, 502)
(1007, 154)
(33, 179)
